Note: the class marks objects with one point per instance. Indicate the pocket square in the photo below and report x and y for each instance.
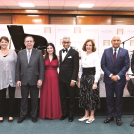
(70, 57)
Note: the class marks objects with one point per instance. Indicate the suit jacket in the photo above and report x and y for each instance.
(132, 63)
(69, 67)
(32, 72)
(120, 67)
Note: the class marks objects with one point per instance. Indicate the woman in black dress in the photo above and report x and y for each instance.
(88, 81)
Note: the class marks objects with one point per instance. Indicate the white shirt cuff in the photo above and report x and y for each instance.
(110, 75)
(118, 77)
(73, 80)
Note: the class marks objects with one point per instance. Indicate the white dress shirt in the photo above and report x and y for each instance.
(28, 52)
(89, 61)
(64, 54)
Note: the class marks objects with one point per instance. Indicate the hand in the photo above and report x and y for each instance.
(19, 84)
(39, 83)
(114, 78)
(78, 84)
(72, 84)
(94, 86)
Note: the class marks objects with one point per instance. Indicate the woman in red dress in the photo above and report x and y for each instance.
(50, 104)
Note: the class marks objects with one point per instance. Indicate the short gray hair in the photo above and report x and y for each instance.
(66, 37)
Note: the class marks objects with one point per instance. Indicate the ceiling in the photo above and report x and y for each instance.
(118, 5)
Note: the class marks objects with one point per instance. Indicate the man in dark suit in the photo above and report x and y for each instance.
(29, 76)
(69, 67)
(115, 64)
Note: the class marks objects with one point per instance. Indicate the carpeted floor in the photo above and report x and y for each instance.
(64, 127)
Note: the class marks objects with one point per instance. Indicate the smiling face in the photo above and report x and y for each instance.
(116, 42)
(50, 49)
(3, 44)
(66, 43)
(89, 46)
(29, 43)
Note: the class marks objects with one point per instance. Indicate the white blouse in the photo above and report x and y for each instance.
(91, 60)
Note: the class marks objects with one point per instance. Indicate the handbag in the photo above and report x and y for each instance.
(130, 87)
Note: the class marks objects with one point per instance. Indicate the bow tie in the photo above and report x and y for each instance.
(65, 50)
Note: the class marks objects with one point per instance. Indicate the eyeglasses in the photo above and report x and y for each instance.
(116, 40)
(29, 41)
(65, 42)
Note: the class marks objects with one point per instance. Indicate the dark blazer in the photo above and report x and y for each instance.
(120, 67)
(69, 67)
(132, 63)
(32, 72)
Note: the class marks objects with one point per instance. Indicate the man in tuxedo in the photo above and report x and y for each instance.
(115, 64)
(69, 67)
(29, 76)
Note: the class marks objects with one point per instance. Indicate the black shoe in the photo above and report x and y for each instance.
(10, 120)
(70, 119)
(132, 123)
(1, 120)
(118, 122)
(34, 119)
(21, 119)
(109, 119)
(63, 117)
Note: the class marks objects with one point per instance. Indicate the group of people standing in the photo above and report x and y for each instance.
(32, 72)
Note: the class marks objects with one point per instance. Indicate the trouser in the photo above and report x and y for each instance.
(11, 91)
(118, 90)
(65, 89)
(34, 93)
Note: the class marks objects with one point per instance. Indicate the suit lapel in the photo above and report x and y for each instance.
(61, 56)
(111, 54)
(25, 55)
(67, 54)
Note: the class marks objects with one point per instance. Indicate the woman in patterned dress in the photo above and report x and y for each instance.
(88, 81)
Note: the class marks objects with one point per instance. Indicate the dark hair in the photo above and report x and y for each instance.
(4, 38)
(54, 55)
(93, 45)
(29, 36)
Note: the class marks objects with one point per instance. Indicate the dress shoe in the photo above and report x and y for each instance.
(10, 120)
(34, 119)
(1, 120)
(109, 119)
(83, 119)
(70, 119)
(63, 117)
(90, 121)
(132, 123)
(118, 122)
(21, 119)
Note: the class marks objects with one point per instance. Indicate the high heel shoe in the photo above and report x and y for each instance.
(83, 119)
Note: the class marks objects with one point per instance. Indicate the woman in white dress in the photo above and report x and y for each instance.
(88, 81)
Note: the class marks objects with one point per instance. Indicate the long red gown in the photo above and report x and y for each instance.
(50, 104)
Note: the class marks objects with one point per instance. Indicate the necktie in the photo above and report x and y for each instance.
(64, 50)
(114, 55)
(28, 56)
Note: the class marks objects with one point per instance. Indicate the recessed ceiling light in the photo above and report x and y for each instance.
(26, 4)
(86, 5)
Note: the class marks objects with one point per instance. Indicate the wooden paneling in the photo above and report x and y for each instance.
(5, 19)
(62, 20)
(93, 20)
(30, 11)
(123, 20)
(30, 19)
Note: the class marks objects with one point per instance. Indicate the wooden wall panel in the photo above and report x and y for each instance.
(5, 19)
(62, 20)
(93, 20)
(122, 20)
(30, 19)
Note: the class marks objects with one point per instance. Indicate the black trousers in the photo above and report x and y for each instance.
(11, 91)
(34, 93)
(65, 89)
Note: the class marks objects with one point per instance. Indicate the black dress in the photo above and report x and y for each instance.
(89, 98)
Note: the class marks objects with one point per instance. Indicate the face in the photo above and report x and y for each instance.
(116, 42)
(66, 43)
(50, 49)
(89, 46)
(3, 44)
(29, 43)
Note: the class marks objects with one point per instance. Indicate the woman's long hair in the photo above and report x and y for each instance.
(47, 54)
